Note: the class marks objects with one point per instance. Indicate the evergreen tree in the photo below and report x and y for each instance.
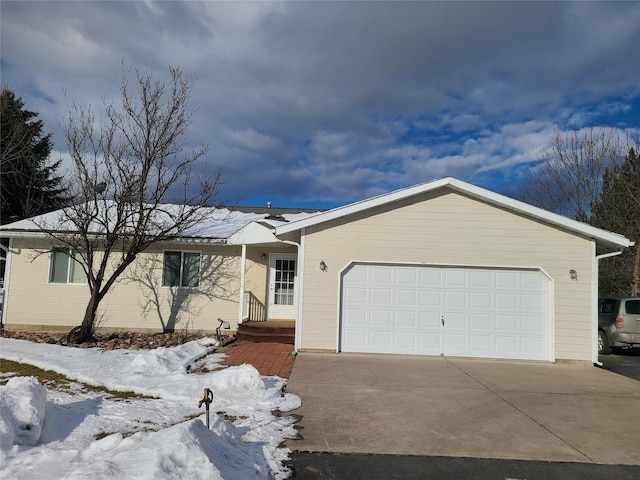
(618, 209)
(29, 185)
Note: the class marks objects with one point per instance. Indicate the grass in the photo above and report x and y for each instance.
(56, 381)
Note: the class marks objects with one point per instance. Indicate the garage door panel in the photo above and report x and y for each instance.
(356, 317)
(481, 300)
(382, 276)
(405, 340)
(455, 300)
(506, 301)
(506, 323)
(455, 278)
(481, 322)
(531, 302)
(481, 345)
(430, 298)
(456, 321)
(407, 276)
(477, 312)
(357, 276)
(507, 345)
(380, 338)
(431, 277)
(531, 346)
(355, 338)
(429, 343)
(531, 281)
(506, 280)
(530, 324)
(379, 296)
(430, 320)
(406, 319)
(353, 296)
(407, 297)
(481, 279)
(380, 318)
(455, 344)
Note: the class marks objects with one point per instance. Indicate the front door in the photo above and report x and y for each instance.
(282, 285)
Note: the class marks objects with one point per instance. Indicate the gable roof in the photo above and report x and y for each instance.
(602, 237)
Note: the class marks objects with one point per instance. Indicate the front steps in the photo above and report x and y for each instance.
(272, 331)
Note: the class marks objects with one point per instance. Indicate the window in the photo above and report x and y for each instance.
(609, 306)
(65, 267)
(181, 269)
(284, 282)
(632, 307)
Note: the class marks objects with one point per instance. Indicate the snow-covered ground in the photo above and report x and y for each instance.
(55, 433)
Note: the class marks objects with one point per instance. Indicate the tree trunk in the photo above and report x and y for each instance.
(85, 331)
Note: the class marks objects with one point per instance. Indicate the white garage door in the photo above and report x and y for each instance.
(470, 312)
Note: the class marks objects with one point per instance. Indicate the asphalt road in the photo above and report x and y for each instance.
(623, 362)
(335, 466)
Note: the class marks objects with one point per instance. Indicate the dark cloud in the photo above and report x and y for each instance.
(335, 101)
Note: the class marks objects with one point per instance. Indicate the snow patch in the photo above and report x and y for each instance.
(142, 439)
(22, 406)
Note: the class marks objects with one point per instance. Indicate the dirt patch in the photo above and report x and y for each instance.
(111, 341)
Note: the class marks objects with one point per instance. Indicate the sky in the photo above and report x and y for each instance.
(68, 432)
(319, 104)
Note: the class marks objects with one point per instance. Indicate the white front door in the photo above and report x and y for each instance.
(282, 286)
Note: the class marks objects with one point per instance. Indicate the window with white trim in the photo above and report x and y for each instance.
(181, 269)
(66, 268)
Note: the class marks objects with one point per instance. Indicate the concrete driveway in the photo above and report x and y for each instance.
(436, 406)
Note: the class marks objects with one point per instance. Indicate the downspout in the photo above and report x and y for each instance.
(7, 274)
(594, 295)
(300, 285)
(243, 263)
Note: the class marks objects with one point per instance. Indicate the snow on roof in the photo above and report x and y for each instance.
(216, 223)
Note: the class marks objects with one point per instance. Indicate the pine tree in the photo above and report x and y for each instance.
(618, 209)
(29, 184)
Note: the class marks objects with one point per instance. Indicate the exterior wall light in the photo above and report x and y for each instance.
(263, 257)
(573, 275)
(323, 266)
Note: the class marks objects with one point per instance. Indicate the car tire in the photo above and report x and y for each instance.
(603, 344)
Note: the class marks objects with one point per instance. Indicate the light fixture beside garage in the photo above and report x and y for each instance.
(573, 275)
(323, 266)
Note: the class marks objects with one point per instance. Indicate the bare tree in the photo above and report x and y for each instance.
(569, 176)
(127, 166)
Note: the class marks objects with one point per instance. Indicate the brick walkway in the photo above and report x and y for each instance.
(268, 358)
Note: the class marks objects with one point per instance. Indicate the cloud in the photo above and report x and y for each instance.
(338, 100)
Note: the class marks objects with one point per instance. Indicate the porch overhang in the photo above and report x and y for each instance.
(255, 233)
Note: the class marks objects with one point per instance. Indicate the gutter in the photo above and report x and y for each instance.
(595, 270)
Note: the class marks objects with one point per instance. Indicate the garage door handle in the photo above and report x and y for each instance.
(442, 320)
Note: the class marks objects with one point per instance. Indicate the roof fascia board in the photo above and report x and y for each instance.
(479, 193)
(44, 235)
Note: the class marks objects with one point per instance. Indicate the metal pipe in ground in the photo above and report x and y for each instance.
(206, 399)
